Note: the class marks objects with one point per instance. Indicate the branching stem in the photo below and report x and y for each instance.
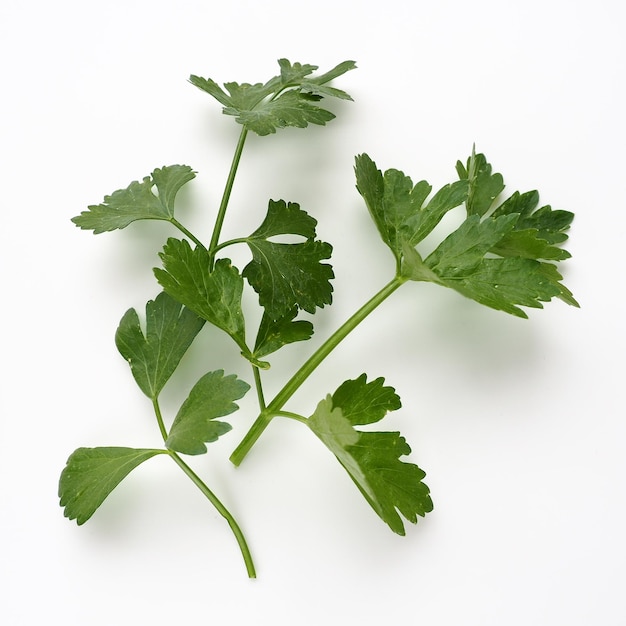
(259, 387)
(213, 499)
(222, 510)
(159, 418)
(274, 408)
(186, 232)
(221, 214)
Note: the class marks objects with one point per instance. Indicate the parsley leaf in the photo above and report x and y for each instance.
(138, 201)
(212, 396)
(463, 250)
(365, 403)
(372, 459)
(536, 231)
(500, 283)
(214, 296)
(170, 329)
(397, 206)
(290, 109)
(285, 100)
(504, 283)
(274, 334)
(496, 256)
(463, 262)
(288, 275)
(504, 255)
(91, 474)
(484, 185)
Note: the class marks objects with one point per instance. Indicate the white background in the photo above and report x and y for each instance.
(519, 424)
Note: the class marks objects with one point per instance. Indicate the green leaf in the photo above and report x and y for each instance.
(422, 223)
(317, 85)
(414, 268)
(212, 396)
(285, 100)
(365, 403)
(290, 109)
(153, 357)
(294, 73)
(397, 206)
(274, 334)
(372, 459)
(536, 231)
(504, 284)
(529, 244)
(498, 257)
(484, 186)
(91, 474)
(284, 218)
(501, 283)
(461, 251)
(214, 296)
(138, 201)
(288, 276)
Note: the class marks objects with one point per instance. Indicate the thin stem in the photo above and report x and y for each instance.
(186, 232)
(159, 417)
(331, 343)
(293, 416)
(230, 242)
(222, 510)
(219, 221)
(275, 406)
(259, 387)
(213, 499)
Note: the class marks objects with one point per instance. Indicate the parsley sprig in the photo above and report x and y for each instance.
(504, 255)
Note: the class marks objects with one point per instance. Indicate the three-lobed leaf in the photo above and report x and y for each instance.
(91, 474)
(288, 275)
(372, 459)
(153, 357)
(288, 99)
(138, 201)
(195, 424)
(499, 257)
(290, 109)
(214, 295)
(466, 261)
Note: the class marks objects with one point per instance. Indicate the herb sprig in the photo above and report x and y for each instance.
(504, 255)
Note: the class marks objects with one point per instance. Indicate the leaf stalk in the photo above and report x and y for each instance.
(221, 214)
(221, 509)
(274, 408)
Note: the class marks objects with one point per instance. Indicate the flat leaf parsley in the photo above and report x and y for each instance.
(505, 254)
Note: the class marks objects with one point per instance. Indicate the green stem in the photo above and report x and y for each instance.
(230, 242)
(275, 406)
(186, 232)
(222, 510)
(259, 387)
(221, 214)
(159, 417)
(293, 416)
(213, 499)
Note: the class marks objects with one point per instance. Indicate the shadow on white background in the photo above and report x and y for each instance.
(519, 424)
